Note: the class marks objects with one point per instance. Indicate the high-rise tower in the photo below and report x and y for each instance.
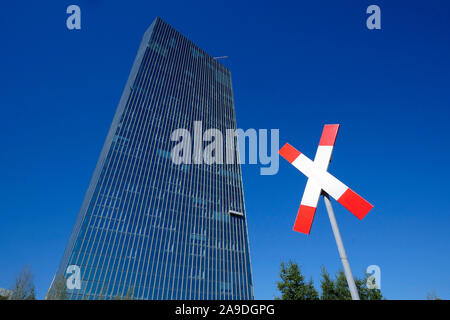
(147, 227)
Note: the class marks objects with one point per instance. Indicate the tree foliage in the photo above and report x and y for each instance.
(432, 295)
(4, 294)
(293, 286)
(338, 289)
(328, 286)
(128, 296)
(23, 287)
(365, 293)
(58, 290)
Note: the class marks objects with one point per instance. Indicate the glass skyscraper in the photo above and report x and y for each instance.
(149, 228)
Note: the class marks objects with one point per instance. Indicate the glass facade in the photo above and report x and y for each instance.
(149, 228)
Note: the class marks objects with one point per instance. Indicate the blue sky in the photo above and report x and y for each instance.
(295, 66)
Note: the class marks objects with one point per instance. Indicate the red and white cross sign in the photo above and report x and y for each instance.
(319, 179)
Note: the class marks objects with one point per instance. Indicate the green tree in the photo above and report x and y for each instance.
(58, 290)
(338, 289)
(432, 295)
(365, 293)
(293, 286)
(23, 287)
(4, 294)
(341, 287)
(327, 286)
(129, 295)
(102, 294)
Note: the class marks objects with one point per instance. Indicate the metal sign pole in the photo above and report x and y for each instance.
(341, 249)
